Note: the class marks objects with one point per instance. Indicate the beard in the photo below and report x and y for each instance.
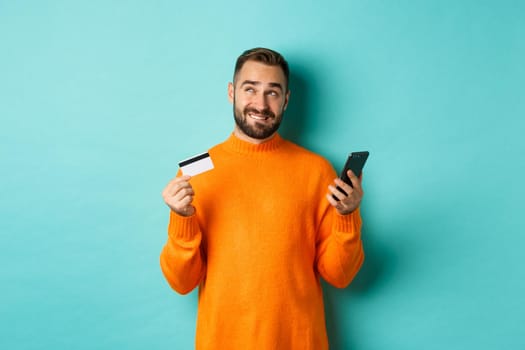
(259, 130)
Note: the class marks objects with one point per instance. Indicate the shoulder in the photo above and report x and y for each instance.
(305, 153)
(310, 158)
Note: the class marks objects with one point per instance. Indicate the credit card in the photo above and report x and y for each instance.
(196, 164)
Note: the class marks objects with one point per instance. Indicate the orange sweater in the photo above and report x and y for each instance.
(262, 235)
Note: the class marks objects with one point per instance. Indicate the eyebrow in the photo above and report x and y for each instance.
(254, 82)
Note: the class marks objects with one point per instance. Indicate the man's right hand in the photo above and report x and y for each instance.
(178, 195)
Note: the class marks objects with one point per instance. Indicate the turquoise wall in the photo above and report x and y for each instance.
(100, 99)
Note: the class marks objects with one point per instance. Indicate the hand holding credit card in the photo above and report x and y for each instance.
(178, 194)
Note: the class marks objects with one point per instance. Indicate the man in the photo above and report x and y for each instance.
(258, 231)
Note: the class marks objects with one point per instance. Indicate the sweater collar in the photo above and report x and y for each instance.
(235, 144)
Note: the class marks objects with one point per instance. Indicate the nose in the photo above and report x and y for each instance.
(261, 101)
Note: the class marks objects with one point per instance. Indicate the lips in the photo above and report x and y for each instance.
(259, 115)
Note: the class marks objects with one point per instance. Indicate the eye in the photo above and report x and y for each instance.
(273, 93)
(250, 90)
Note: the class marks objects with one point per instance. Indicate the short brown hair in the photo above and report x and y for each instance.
(263, 55)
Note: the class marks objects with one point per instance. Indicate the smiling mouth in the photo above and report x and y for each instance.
(258, 117)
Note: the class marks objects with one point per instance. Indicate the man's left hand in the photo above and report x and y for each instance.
(346, 203)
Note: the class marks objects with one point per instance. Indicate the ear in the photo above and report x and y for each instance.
(230, 92)
(286, 98)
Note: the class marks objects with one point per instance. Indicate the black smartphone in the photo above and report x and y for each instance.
(355, 162)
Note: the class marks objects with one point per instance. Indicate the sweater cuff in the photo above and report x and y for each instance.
(350, 223)
(183, 228)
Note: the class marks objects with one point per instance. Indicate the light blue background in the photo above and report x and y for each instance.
(100, 99)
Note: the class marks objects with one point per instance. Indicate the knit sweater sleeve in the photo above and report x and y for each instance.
(181, 258)
(339, 252)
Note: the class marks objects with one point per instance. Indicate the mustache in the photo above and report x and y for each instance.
(264, 112)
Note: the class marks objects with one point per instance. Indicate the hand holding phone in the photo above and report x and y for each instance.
(355, 162)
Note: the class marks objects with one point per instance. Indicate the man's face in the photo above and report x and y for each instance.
(259, 96)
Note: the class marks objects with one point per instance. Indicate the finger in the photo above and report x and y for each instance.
(175, 200)
(344, 186)
(356, 181)
(353, 201)
(178, 179)
(186, 201)
(176, 185)
(185, 179)
(169, 186)
(337, 193)
(182, 193)
(331, 200)
(338, 205)
(181, 204)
